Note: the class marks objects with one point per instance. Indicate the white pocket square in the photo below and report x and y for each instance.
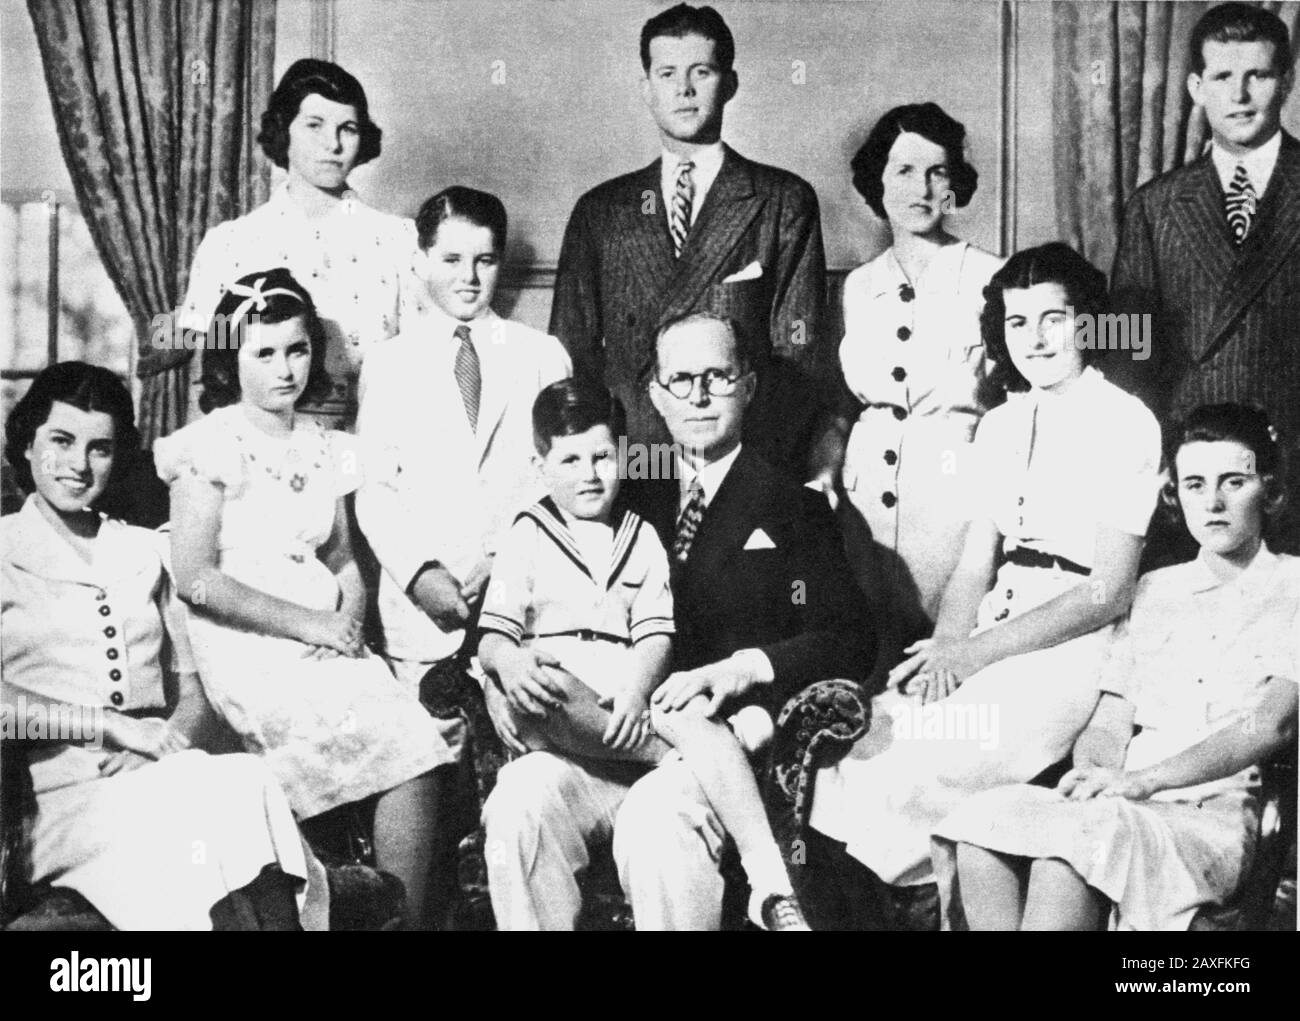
(753, 271)
(759, 540)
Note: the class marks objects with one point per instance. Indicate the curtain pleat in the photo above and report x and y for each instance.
(157, 105)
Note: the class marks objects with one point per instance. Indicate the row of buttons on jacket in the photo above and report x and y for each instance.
(112, 652)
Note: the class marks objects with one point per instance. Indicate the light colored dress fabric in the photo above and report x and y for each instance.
(333, 730)
(355, 262)
(1095, 453)
(1192, 658)
(157, 847)
(913, 356)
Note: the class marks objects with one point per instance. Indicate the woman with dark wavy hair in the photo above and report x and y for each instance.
(354, 260)
(912, 357)
(1063, 480)
(99, 685)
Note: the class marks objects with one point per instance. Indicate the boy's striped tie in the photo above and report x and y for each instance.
(468, 375)
(1240, 204)
(679, 218)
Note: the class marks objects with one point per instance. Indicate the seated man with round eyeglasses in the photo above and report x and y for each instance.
(764, 605)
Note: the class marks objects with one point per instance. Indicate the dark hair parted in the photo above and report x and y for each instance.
(930, 122)
(480, 208)
(87, 388)
(1234, 423)
(229, 331)
(569, 407)
(315, 77)
(1240, 23)
(683, 20)
(1052, 263)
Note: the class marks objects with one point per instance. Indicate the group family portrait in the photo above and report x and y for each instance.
(577, 465)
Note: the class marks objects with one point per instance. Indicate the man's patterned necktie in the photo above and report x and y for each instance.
(468, 376)
(689, 522)
(1240, 203)
(679, 220)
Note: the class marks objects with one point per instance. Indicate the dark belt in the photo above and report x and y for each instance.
(1024, 557)
(586, 635)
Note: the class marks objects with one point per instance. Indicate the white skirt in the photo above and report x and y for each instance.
(1005, 724)
(1158, 862)
(157, 847)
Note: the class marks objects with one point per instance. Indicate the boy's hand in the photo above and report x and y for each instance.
(529, 687)
(502, 721)
(438, 593)
(629, 715)
(471, 590)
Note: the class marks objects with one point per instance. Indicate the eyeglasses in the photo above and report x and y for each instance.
(714, 382)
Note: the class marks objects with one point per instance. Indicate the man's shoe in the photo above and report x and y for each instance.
(782, 913)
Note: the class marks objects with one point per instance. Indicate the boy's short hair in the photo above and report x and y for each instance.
(480, 208)
(1241, 23)
(683, 20)
(569, 407)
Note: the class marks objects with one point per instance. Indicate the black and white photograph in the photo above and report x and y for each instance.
(611, 465)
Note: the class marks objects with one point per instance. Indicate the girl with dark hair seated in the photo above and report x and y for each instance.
(355, 260)
(261, 547)
(913, 359)
(1063, 482)
(155, 834)
(1150, 826)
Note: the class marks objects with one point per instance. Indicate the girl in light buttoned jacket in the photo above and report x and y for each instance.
(152, 832)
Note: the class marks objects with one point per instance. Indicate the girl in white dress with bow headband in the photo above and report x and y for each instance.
(263, 559)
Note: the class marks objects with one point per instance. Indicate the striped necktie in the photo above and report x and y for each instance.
(468, 376)
(689, 522)
(679, 222)
(1240, 204)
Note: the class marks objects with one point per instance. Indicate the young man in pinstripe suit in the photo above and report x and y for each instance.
(1212, 249)
(701, 229)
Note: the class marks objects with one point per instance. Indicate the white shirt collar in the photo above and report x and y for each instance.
(1254, 577)
(1259, 163)
(708, 161)
(443, 326)
(710, 476)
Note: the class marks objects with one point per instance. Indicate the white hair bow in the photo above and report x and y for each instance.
(255, 298)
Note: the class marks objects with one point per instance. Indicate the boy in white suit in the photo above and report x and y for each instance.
(446, 417)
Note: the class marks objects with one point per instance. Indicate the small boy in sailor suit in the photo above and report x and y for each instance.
(576, 628)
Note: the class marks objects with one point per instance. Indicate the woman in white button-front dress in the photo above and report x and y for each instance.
(1063, 482)
(260, 542)
(99, 685)
(913, 358)
(354, 260)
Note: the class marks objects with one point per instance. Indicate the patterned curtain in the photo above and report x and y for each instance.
(1120, 101)
(158, 104)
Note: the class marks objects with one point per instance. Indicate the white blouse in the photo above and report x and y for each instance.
(354, 261)
(918, 348)
(1050, 468)
(1195, 652)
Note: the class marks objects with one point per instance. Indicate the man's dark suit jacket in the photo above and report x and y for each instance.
(797, 601)
(1226, 320)
(619, 279)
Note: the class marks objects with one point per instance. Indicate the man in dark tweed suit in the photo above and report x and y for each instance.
(700, 229)
(1212, 249)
